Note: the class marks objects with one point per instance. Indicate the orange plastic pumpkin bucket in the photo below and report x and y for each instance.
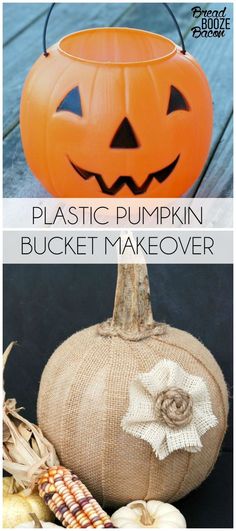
(116, 112)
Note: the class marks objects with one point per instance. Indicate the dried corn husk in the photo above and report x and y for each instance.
(33, 464)
(26, 452)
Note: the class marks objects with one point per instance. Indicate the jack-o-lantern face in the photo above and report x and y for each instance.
(118, 128)
(124, 138)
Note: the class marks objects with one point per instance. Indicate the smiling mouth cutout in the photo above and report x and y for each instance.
(160, 176)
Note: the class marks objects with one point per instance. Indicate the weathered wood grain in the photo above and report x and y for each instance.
(154, 17)
(216, 59)
(132, 313)
(20, 55)
(218, 178)
(18, 181)
(16, 19)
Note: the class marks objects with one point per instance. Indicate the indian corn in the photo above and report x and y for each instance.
(70, 500)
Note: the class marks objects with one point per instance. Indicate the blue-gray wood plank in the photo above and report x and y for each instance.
(216, 59)
(23, 32)
(220, 168)
(16, 20)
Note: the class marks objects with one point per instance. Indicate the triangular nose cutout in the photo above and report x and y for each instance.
(125, 137)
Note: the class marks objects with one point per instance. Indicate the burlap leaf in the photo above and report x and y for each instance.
(169, 408)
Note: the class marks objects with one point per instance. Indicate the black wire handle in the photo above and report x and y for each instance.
(177, 26)
(46, 53)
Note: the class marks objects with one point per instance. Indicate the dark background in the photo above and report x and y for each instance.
(43, 305)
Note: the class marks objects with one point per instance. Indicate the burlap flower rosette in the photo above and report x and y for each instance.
(170, 409)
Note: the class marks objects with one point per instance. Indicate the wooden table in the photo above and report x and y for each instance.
(23, 24)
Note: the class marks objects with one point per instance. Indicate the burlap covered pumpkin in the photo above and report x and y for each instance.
(136, 408)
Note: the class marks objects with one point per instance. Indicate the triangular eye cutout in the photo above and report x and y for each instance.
(125, 137)
(177, 101)
(71, 102)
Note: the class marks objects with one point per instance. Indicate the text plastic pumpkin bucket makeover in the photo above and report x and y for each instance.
(116, 112)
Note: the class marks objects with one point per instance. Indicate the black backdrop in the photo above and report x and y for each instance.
(44, 304)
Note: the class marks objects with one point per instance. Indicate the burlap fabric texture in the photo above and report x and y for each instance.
(84, 395)
(169, 408)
